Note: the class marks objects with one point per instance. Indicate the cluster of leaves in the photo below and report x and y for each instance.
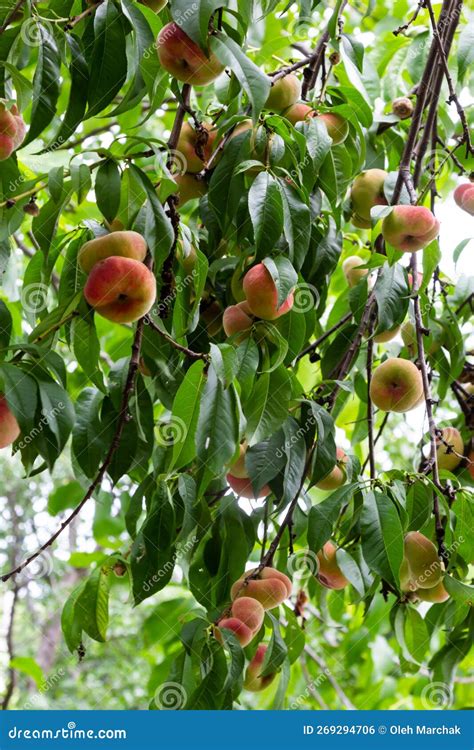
(65, 378)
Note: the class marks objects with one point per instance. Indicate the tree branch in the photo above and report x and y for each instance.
(324, 336)
(11, 15)
(370, 409)
(10, 650)
(179, 347)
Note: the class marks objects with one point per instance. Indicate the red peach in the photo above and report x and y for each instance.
(336, 125)
(464, 197)
(298, 113)
(250, 611)
(237, 318)
(243, 488)
(241, 630)
(125, 244)
(262, 296)
(9, 427)
(120, 289)
(329, 573)
(182, 57)
(410, 228)
(253, 681)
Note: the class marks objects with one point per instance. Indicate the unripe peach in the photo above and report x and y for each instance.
(242, 631)
(238, 467)
(336, 125)
(189, 188)
(464, 197)
(253, 681)
(237, 318)
(155, 5)
(250, 611)
(396, 385)
(284, 93)
(9, 427)
(338, 476)
(402, 107)
(437, 594)
(270, 588)
(410, 228)
(186, 256)
(119, 244)
(446, 459)
(120, 289)
(351, 270)
(187, 143)
(211, 315)
(382, 338)
(421, 567)
(243, 488)
(329, 573)
(367, 192)
(262, 296)
(182, 57)
(298, 113)
(408, 334)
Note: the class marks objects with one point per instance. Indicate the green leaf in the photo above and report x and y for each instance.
(70, 619)
(107, 189)
(277, 650)
(266, 212)
(57, 411)
(253, 80)
(21, 393)
(92, 604)
(268, 405)
(195, 24)
(77, 95)
(86, 347)
(382, 536)
(392, 295)
(185, 413)
(108, 62)
(45, 83)
(88, 441)
(465, 50)
(30, 667)
(460, 591)
(217, 430)
(323, 516)
(283, 274)
(63, 497)
(297, 222)
(5, 326)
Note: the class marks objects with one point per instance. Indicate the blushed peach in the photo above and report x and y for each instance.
(410, 228)
(243, 488)
(270, 588)
(446, 459)
(298, 113)
(250, 611)
(187, 144)
(336, 125)
(329, 573)
(237, 318)
(253, 681)
(120, 289)
(125, 244)
(189, 188)
(421, 567)
(284, 93)
(9, 427)
(464, 197)
(182, 57)
(396, 385)
(367, 192)
(338, 476)
(242, 631)
(262, 296)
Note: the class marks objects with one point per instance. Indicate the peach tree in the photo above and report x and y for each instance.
(226, 305)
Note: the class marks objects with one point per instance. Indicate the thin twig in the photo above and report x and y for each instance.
(11, 15)
(324, 336)
(180, 348)
(370, 408)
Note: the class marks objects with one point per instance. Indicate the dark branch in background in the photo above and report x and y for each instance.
(123, 418)
(406, 25)
(167, 270)
(377, 438)
(310, 74)
(324, 336)
(11, 15)
(180, 348)
(370, 409)
(77, 19)
(439, 528)
(11, 654)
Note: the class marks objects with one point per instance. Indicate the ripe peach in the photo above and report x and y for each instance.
(367, 192)
(447, 460)
(419, 277)
(338, 476)
(262, 296)
(242, 631)
(464, 197)
(410, 228)
(182, 57)
(189, 188)
(396, 385)
(250, 611)
(402, 107)
(187, 142)
(421, 567)
(253, 681)
(120, 289)
(284, 93)
(20, 134)
(9, 427)
(237, 318)
(243, 488)
(10, 134)
(298, 113)
(119, 244)
(336, 125)
(155, 5)
(270, 588)
(329, 573)
(351, 270)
